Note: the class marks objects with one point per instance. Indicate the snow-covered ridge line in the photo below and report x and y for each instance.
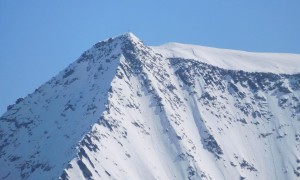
(279, 63)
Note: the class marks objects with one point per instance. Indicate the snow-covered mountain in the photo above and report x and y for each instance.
(124, 110)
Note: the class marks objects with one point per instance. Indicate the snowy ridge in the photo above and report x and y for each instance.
(54, 118)
(232, 59)
(127, 111)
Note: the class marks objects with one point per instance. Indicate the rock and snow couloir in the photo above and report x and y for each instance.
(124, 110)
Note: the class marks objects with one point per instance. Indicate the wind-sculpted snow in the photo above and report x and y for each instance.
(124, 111)
(233, 59)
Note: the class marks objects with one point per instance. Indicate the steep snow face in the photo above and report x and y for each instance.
(127, 111)
(39, 134)
(233, 59)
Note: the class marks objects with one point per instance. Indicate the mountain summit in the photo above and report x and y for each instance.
(124, 110)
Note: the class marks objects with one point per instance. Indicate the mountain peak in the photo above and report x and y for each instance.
(128, 36)
(124, 110)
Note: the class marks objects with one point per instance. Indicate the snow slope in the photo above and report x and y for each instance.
(233, 59)
(127, 111)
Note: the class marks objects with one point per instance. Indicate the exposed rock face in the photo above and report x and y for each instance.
(125, 111)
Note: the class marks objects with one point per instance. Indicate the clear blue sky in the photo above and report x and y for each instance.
(41, 37)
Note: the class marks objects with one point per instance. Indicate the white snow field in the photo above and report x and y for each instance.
(232, 59)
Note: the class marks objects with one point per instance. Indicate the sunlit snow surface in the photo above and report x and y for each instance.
(127, 111)
(233, 59)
